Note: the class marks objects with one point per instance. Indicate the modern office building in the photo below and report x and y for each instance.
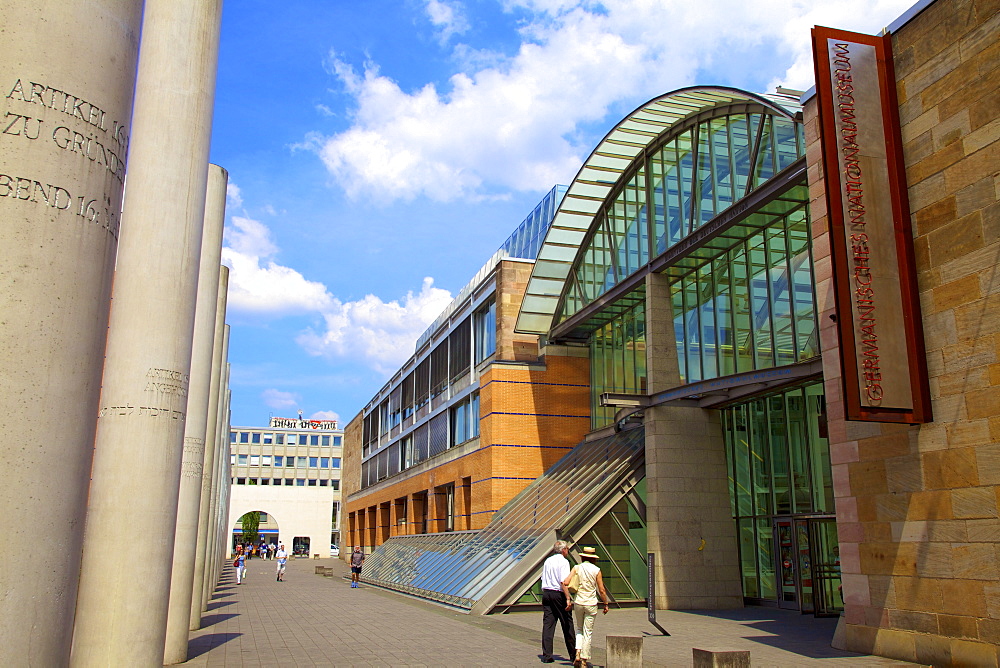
(789, 306)
(290, 472)
(473, 416)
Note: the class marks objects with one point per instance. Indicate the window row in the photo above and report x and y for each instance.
(278, 460)
(283, 439)
(470, 342)
(442, 432)
(288, 482)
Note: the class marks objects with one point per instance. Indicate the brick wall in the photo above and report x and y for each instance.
(917, 507)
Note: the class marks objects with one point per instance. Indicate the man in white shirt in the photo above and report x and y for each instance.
(282, 556)
(554, 571)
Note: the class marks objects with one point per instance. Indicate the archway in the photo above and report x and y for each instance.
(256, 528)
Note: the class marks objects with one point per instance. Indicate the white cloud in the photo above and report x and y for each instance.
(278, 399)
(325, 415)
(382, 333)
(510, 123)
(233, 195)
(378, 333)
(448, 17)
(257, 283)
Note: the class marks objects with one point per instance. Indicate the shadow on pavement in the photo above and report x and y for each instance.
(215, 605)
(203, 644)
(212, 620)
(787, 630)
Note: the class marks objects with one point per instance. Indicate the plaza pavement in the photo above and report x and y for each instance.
(311, 620)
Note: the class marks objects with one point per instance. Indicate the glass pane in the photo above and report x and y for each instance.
(765, 558)
(748, 559)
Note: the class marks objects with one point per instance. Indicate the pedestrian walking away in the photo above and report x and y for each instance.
(357, 559)
(282, 556)
(554, 609)
(586, 578)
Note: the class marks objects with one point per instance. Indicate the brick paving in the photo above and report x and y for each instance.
(311, 620)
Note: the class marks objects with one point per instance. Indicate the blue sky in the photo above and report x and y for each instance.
(380, 151)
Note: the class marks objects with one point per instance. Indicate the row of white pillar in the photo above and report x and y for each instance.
(113, 385)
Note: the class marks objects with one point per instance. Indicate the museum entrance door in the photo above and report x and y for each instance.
(808, 564)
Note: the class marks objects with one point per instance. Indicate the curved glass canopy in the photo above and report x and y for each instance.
(669, 167)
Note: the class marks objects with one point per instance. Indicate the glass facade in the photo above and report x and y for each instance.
(617, 360)
(752, 307)
(690, 176)
(782, 499)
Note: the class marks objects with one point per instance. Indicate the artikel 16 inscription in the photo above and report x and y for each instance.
(90, 209)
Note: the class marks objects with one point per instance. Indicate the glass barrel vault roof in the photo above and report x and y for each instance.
(599, 176)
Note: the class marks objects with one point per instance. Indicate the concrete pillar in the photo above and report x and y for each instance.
(124, 578)
(64, 128)
(690, 524)
(213, 444)
(196, 429)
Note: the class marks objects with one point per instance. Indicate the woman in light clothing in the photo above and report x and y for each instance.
(584, 604)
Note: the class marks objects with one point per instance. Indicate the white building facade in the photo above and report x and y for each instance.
(289, 472)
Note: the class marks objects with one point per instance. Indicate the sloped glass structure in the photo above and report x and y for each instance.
(498, 565)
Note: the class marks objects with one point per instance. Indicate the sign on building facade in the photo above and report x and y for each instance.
(878, 311)
(295, 423)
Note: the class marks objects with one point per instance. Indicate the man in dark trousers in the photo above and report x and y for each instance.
(554, 571)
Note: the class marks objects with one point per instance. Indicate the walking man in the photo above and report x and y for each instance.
(554, 571)
(357, 559)
(282, 557)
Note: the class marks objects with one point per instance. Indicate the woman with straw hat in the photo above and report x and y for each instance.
(586, 579)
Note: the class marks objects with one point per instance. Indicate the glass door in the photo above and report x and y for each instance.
(826, 567)
(788, 595)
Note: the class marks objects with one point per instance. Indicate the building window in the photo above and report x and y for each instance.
(242, 460)
(313, 462)
(335, 462)
(312, 483)
(421, 383)
(289, 482)
(265, 460)
(336, 440)
(324, 440)
(244, 437)
(324, 483)
(406, 453)
(255, 437)
(301, 461)
(465, 420)
(268, 438)
(335, 484)
(383, 417)
(408, 395)
(314, 439)
(254, 460)
(485, 335)
(232, 460)
(279, 439)
(241, 481)
(324, 462)
(291, 439)
(439, 369)
(460, 349)
(300, 482)
(232, 437)
(265, 481)
(278, 460)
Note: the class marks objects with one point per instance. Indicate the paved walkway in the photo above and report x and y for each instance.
(310, 620)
